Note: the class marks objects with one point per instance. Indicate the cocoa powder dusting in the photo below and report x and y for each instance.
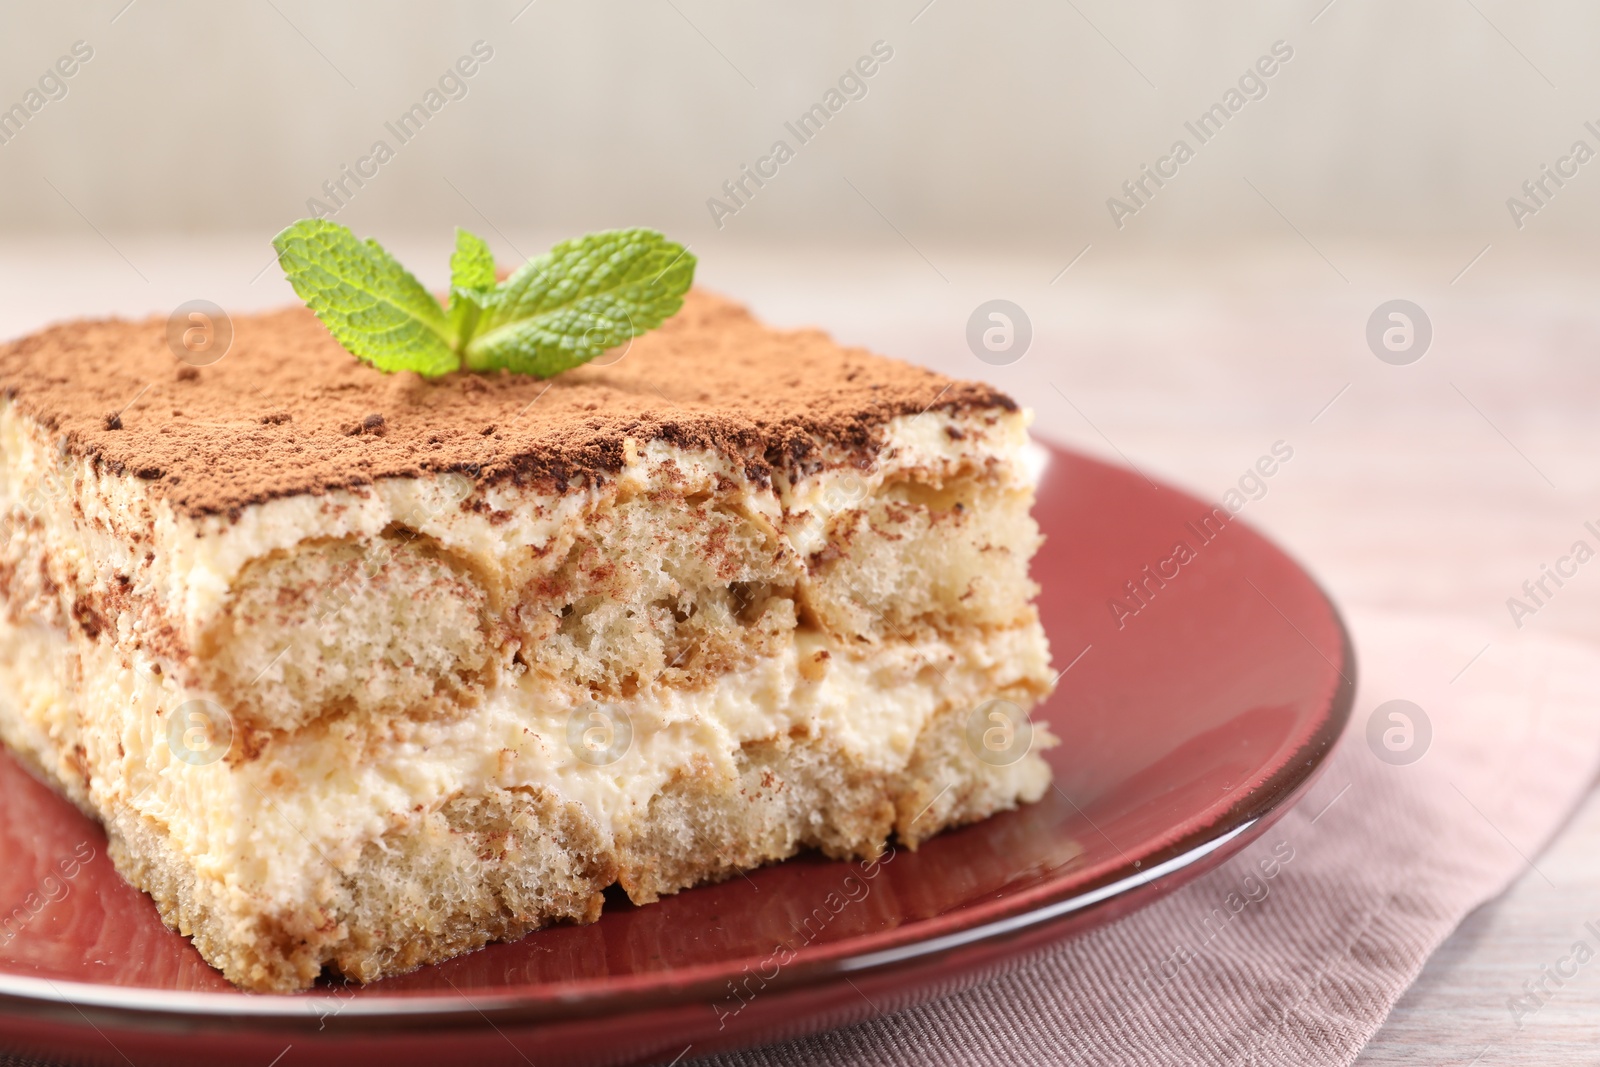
(288, 411)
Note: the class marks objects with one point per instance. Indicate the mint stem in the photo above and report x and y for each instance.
(475, 359)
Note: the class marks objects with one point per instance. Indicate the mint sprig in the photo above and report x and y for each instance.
(556, 312)
(472, 282)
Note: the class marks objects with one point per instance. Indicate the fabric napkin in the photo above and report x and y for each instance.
(1369, 873)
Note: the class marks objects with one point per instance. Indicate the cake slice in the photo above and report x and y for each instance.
(361, 671)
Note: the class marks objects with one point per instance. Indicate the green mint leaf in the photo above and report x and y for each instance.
(582, 297)
(472, 264)
(471, 284)
(372, 305)
(466, 308)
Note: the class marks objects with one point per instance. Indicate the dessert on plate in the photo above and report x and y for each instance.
(361, 670)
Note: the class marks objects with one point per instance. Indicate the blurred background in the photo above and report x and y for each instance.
(1003, 125)
(1188, 308)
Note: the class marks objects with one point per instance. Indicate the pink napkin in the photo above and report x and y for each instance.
(1295, 950)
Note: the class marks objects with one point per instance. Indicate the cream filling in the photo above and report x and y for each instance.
(197, 559)
(273, 827)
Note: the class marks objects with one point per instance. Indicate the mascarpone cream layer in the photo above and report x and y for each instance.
(191, 562)
(273, 826)
(276, 826)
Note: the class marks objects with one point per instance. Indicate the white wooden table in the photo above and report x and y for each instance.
(1443, 485)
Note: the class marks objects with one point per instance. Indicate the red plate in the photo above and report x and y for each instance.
(1189, 726)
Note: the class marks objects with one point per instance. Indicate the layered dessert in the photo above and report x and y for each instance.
(360, 671)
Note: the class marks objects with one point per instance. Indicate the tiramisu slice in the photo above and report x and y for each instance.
(364, 670)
